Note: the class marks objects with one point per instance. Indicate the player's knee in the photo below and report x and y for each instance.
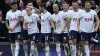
(70, 42)
(58, 42)
(17, 41)
(32, 43)
(25, 42)
(86, 43)
(46, 44)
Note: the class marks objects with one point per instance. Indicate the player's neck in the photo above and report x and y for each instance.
(30, 14)
(57, 12)
(44, 11)
(87, 10)
(13, 10)
(76, 10)
(65, 10)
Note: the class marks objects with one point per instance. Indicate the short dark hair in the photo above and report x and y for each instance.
(87, 2)
(74, 2)
(13, 3)
(30, 2)
(43, 5)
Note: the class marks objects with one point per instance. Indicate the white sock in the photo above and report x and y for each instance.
(73, 50)
(36, 52)
(65, 49)
(87, 51)
(17, 49)
(32, 50)
(47, 50)
(58, 50)
(13, 49)
(25, 47)
(95, 40)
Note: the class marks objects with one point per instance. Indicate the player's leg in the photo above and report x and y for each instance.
(85, 37)
(72, 42)
(12, 40)
(66, 44)
(47, 39)
(81, 45)
(25, 42)
(36, 44)
(59, 37)
(17, 43)
(33, 45)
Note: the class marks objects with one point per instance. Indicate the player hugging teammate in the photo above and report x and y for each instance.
(69, 26)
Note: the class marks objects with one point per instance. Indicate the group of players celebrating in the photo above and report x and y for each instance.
(68, 26)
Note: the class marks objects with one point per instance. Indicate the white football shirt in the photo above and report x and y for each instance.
(45, 22)
(59, 21)
(66, 14)
(87, 21)
(13, 18)
(74, 16)
(32, 23)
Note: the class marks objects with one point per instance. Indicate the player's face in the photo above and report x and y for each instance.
(65, 6)
(7, 1)
(0, 13)
(75, 5)
(87, 5)
(41, 8)
(28, 10)
(30, 4)
(55, 9)
(14, 7)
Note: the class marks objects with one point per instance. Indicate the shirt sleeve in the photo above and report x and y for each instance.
(7, 16)
(95, 13)
(37, 16)
(49, 16)
(19, 14)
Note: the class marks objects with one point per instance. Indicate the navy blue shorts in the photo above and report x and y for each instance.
(87, 36)
(59, 38)
(66, 36)
(34, 37)
(73, 35)
(25, 35)
(45, 37)
(14, 36)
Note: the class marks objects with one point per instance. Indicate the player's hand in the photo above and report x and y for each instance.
(42, 20)
(9, 28)
(12, 29)
(96, 29)
(62, 31)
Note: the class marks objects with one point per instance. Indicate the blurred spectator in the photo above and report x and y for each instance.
(93, 5)
(70, 8)
(21, 6)
(6, 7)
(1, 25)
(13, 1)
(98, 10)
(50, 3)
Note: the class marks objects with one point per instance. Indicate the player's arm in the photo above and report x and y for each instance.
(7, 23)
(97, 23)
(78, 24)
(52, 24)
(67, 23)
